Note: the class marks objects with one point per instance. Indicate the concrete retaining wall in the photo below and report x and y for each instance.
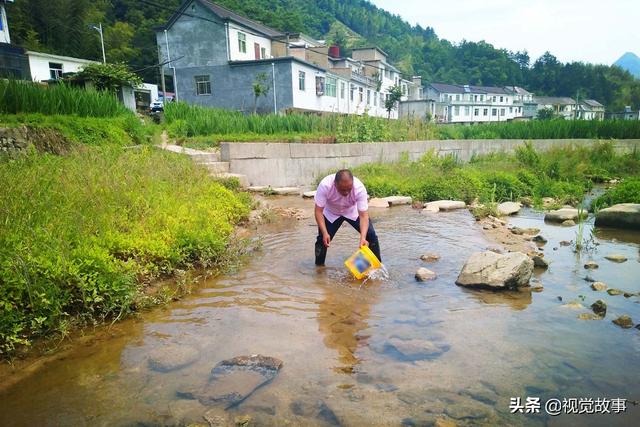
(282, 164)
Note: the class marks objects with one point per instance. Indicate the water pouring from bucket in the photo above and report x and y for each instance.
(364, 264)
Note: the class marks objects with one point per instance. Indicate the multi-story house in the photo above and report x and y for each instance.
(474, 104)
(561, 106)
(590, 109)
(214, 56)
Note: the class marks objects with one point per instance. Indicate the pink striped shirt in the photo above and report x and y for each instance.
(336, 205)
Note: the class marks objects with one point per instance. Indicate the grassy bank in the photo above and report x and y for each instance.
(628, 191)
(81, 235)
(214, 125)
(563, 173)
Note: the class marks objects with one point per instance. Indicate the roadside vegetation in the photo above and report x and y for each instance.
(83, 235)
(564, 174)
(201, 126)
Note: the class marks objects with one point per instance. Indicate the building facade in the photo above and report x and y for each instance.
(45, 66)
(215, 56)
(563, 107)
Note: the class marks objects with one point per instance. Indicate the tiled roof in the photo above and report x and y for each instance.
(554, 100)
(454, 88)
(592, 103)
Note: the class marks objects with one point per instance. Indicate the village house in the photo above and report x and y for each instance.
(626, 114)
(215, 55)
(561, 106)
(453, 103)
(590, 109)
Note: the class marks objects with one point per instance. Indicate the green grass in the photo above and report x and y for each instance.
(214, 125)
(628, 191)
(81, 235)
(25, 97)
(562, 173)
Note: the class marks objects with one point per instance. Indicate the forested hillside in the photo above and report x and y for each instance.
(62, 27)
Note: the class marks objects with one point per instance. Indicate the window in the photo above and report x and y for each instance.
(330, 87)
(203, 85)
(343, 89)
(475, 97)
(361, 93)
(466, 111)
(301, 80)
(481, 97)
(457, 97)
(375, 99)
(457, 111)
(320, 85)
(502, 99)
(263, 52)
(494, 112)
(476, 112)
(510, 109)
(485, 111)
(368, 97)
(55, 70)
(494, 99)
(502, 111)
(242, 42)
(352, 94)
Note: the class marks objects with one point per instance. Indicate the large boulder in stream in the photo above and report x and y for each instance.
(562, 215)
(496, 271)
(233, 380)
(625, 215)
(509, 208)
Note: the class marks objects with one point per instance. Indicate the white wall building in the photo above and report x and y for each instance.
(45, 66)
(4, 26)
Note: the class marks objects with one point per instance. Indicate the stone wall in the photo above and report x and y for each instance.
(18, 140)
(282, 164)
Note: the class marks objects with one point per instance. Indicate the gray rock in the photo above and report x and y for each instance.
(540, 262)
(496, 271)
(615, 292)
(446, 205)
(599, 307)
(520, 231)
(624, 322)
(616, 258)
(378, 203)
(411, 349)
(171, 357)
(562, 215)
(232, 381)
(565, 243)
(309, 194)
(509, 208)
(625, 216)
(430, 257)
(574, 305)
(398, 200)
(424, 274)
(539, 239)
(599, 286)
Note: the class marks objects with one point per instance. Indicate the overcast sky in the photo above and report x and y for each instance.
(595, 31)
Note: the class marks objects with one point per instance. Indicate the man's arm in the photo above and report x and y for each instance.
(326, 239)
(364, 227)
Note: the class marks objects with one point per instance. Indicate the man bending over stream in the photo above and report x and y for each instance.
(339, 198)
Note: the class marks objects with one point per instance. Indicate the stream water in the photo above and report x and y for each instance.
(355, 355)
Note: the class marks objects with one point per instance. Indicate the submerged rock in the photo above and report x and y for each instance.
(496, 271)
(430, 257)
(411, 349)
(509, 208)
(624, 322)
(539, 239)
(615, 292)
(591, 265)
(446, 205)
(540, 262)
(232, 381)
(589, 316)
(565, 243)
(600, 308)
(573, 305)
(625, 216)
(569, 223)
(424, 274)
(171, 357)
(616, 258)
(562, 215)
(599, 286)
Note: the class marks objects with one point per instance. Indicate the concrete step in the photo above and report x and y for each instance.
(216, 167)
(197, 155)
(244, 181)
(205, 157)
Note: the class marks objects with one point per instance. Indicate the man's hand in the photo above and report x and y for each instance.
(363, 242)
(326, 239)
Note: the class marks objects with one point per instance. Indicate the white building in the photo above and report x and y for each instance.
(474, 104)
(45, 66)
(4, 25)
(564, 107)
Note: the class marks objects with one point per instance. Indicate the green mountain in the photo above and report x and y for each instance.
(630, 62)
(61, 27)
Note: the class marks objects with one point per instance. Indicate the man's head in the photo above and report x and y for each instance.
(344, 181)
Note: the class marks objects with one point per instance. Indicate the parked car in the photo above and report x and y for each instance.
(157, 106)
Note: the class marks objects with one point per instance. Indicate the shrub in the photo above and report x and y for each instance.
(628, 191)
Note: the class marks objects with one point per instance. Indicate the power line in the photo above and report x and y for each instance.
(149, 3)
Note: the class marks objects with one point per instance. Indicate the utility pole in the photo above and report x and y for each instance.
(98, 28)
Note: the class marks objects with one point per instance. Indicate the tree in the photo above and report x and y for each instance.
(393, 97)
(108, 77)
(260, 88)
(545, 114)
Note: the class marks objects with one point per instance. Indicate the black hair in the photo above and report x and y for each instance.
(343, 174)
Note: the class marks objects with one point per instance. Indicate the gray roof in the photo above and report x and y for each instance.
(518, 90)
(554, 100)
(227, 15)
(592, 103)
(455, 88)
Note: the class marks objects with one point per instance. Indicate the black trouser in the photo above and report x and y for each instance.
(332, 229)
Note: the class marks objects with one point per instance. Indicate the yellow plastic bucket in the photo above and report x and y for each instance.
(362, 262)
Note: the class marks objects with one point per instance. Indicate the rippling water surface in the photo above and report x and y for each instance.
(390, 352)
